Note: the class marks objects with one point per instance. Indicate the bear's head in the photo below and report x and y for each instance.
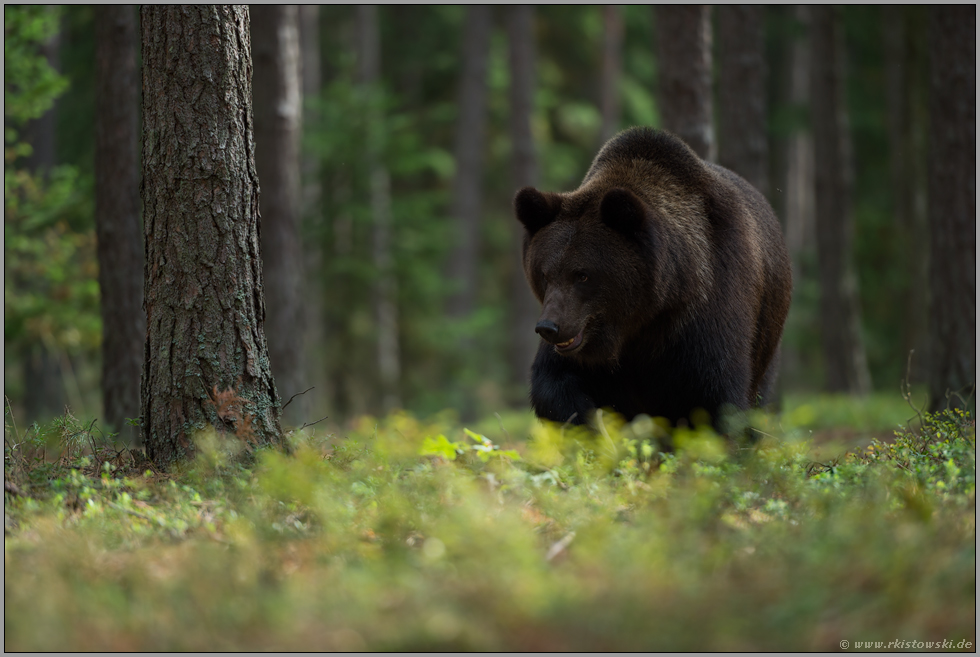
(588, 257)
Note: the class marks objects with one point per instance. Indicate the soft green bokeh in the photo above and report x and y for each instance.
(396, 535)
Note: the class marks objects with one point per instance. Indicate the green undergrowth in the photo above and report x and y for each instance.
(422, 535)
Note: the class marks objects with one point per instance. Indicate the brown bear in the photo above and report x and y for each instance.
(664, 283)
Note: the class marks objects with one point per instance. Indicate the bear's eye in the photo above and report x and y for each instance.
(581, 277)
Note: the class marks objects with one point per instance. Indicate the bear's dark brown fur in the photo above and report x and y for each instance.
(664, 282)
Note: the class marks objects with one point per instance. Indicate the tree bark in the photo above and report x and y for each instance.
(952, 205)
(278, 106)
(117, 218)
(840, 317)
(206, 359)
(470, 142)
(385, 288)
(742, 138)
(684, 72)
(524, 308)
(612, 65)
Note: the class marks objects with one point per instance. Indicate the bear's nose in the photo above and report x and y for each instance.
(547, 329)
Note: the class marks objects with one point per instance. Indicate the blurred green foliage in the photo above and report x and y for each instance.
(30, 84)
(50, 291)
(419, 535)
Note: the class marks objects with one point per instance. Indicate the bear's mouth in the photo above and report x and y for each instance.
(572, 344)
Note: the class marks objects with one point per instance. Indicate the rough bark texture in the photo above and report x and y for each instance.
(905, 29)
(612, 65)
(524, 308)
(278, 106)
(840, 318)
(469, 150)
(117, 219)
(742, 135)
(684, 60)
(952, 204)
(44, 390)
(385, 291)
(206, 360)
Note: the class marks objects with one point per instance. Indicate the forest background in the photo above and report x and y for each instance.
(396, 308)
(392, 140)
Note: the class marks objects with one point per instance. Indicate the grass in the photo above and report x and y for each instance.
(406, 534)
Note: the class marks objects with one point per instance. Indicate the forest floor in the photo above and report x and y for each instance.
(851, 521)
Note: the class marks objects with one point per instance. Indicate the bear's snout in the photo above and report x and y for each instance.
(548, 330)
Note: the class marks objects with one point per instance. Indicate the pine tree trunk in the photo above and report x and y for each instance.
(206, 359)
(44, 389)
(117, 219)
(612, 56)
(385, 293)
(792, 185)
(742, 138)
(840, 317)
(799, 186)
(309, 40)
(684, 60)
(779, 65)
(952, 205)
(343, 343)
(278, 106)
(314, 256)
(905, 85)
(524, 307)
(470, 143)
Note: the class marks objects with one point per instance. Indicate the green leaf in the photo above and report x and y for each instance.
(441, 446)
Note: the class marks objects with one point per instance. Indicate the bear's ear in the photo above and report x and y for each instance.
(622, 210)
(536, 210)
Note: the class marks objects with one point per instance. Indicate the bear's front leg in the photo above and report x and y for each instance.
(558, 388)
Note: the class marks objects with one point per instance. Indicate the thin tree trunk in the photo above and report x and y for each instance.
(470, 143)
(779, 63)
(278, 106)
(612, 65)
(684, 60)
(840, 317)
(524, 308)
(206, 359)
(904, 86)
(343, 344)
(117, 220)
(309, 39)
(799, 220)
(44, 389)
(952, 205)
(316, 369)
(795, 189)
(385, 288)
(742, 138)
